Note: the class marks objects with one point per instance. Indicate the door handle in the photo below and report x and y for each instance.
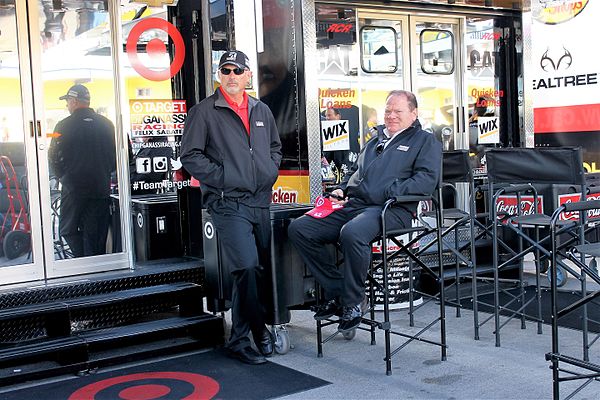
(39, 128)
(31, 130)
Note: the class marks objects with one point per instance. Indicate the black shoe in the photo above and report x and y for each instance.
(328, 310)
(264, 342)
(351, 316)
(247, 355)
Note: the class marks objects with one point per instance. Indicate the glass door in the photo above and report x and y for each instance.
(63, 118)
(21, 256)
(437, 79)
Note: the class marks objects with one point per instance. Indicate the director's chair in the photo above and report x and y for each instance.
(514, 172)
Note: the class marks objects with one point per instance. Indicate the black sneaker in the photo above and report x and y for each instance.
(351, 316)
(328, 310)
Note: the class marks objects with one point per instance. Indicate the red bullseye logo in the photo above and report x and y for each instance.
(154, 48)
(202, 387)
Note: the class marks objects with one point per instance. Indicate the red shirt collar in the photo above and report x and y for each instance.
(232, 103)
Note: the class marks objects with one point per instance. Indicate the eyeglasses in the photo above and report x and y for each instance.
(237, 71)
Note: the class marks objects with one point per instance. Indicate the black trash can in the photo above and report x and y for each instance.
(156, 229)
(290, 282)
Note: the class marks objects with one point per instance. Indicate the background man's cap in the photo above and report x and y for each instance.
(235, 57)
(323, 207)
(78, 92)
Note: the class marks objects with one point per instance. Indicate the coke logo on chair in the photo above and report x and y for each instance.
(592, 215)
(507, 205)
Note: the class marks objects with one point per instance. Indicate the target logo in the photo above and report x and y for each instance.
(150, 385)
(209, 230)
(155, 47)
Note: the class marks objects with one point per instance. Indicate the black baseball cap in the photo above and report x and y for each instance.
(78, 92)
(235, 57)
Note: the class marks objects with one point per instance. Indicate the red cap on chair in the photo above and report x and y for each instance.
(323, 207)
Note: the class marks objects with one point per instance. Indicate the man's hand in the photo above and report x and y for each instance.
(337, 197)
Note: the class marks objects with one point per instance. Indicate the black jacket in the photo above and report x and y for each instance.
(409, 165)
(217, 150)
(83, 156)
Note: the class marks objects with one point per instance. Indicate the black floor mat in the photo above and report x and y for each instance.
(564, 298)
(198, 376)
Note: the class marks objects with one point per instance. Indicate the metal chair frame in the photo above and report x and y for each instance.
(404, 249)
(585, 370)
(514, 171)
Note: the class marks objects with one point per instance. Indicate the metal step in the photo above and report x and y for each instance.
(78, 352)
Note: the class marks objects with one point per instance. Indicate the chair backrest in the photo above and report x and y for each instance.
(456, 166)
(559, 165)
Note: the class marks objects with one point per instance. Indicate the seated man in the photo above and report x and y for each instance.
(402, 159)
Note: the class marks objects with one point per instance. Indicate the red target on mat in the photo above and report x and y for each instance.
(154, 47)
(202, 386)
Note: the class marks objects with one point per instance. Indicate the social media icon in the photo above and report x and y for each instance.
(159, 164)
(142, 165)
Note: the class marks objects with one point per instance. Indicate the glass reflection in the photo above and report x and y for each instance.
(15, 237)
(79, 108)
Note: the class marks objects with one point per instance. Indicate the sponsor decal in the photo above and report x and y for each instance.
(153, 145)
(209, 230)
(507, 205)
(284, 195)
(292, 187)
(487, 97)
(336, 98)
(146, 165)
(552, 12)
(561, 61)
(488, 130)
(340, 28)
(335, 135)
(592, 215)
(165, 184)
(155, 46)
(157, 117)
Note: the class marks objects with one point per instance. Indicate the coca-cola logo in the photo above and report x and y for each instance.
(593, 214)
(507, 206)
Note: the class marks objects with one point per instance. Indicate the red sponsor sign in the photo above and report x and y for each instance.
(507, 205)
(592, 215)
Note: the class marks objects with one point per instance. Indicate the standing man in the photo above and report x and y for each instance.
(82, 157)
(231, 145)
(402, 159)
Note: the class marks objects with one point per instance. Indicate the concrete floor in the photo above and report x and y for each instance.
(473, 370)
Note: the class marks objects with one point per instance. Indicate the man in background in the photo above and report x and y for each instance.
(82, 157)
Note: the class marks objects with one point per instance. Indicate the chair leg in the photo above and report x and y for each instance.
(496, 280)
(442, 311)
(372, 308)
(411, 304)
(386, 310)
(538, 287)
(456, 275)
(319, 340)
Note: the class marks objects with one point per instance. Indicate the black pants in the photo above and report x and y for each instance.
(245, 236)
(353, 227)
(84, 223)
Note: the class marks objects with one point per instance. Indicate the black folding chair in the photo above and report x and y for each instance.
(577, 254)
(458, 233)
(412, 252)
(513, 172)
